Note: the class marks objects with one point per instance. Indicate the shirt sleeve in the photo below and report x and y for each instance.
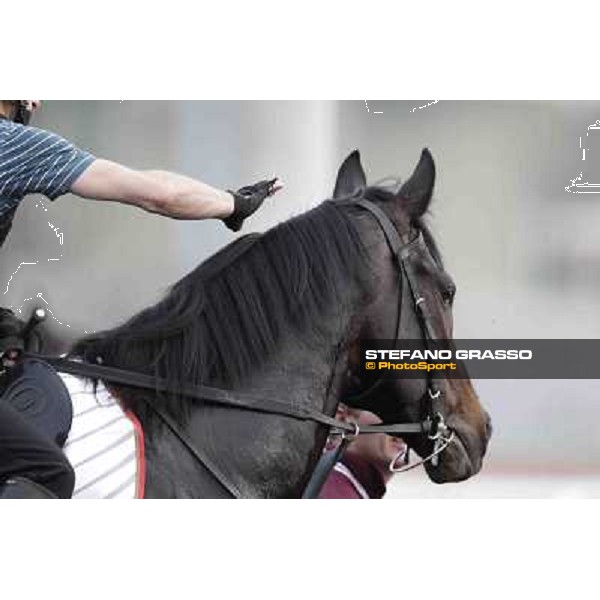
(35, 161)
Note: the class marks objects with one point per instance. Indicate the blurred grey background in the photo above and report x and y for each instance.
(524, 252)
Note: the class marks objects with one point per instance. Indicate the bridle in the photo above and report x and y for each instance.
(432, 423)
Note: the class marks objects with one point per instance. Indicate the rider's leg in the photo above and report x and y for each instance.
(20, 488)
(26, 453)
(38, 394)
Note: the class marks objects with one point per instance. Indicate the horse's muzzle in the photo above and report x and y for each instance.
(463, 457)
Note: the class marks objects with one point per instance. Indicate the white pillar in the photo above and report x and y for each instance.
(296, 141)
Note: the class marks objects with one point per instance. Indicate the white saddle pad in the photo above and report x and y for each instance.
(105, 445)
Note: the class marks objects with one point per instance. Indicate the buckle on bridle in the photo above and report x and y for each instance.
(434, 396)
(438, 435)
(346, 436)
(356, 431)
(438, 427)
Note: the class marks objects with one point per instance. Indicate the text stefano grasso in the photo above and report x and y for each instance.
(498, 354)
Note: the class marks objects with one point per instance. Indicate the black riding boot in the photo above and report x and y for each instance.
(19, 488)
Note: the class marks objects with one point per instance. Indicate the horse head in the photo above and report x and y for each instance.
(392, 312)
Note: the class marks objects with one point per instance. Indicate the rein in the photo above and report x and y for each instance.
(432, 423)
(221, 397)
(216, 396)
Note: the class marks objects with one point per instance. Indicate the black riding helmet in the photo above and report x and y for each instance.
(23, 112)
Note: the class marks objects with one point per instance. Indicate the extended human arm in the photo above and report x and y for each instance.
(160, 192)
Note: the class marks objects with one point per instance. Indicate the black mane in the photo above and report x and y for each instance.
(228, 315)
(225, 317)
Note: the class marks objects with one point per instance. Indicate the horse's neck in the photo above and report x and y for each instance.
(280, 452)
(263, 455)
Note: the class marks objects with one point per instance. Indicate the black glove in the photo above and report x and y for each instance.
(247, 200)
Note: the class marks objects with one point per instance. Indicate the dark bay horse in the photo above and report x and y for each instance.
(280, 316)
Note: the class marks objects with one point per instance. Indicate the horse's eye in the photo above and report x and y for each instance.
(448, 295)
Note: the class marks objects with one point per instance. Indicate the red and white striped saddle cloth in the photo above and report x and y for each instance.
(105, 445)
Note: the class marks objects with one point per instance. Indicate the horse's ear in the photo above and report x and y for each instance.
(417, 191)
(351, 179)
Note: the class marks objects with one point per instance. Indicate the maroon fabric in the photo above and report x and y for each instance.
(338, 487)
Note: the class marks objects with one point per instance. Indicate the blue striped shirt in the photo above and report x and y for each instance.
(34, 161)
